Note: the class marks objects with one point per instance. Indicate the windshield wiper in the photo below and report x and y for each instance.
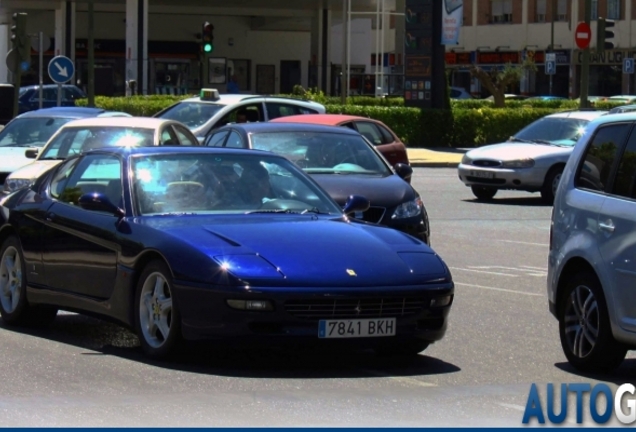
(515, 139)
(315, 210)
(271, 211)
(540, 141)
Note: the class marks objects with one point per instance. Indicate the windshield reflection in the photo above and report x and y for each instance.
(563, 131)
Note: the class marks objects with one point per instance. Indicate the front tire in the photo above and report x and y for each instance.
(584, 327)
(483, 193)
(14, 307)
(550, 185)
(157, 318)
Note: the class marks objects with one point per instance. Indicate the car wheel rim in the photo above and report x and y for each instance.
(555, 184)
(581, 321)
(155, 310)
(10, 279)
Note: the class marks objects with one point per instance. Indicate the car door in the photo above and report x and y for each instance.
(167, 136)
(80, 255)
(371, 132)
(617, 235)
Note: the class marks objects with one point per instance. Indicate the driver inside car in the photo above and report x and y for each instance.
(254, 187)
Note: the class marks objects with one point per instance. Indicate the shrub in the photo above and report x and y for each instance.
(144, 106)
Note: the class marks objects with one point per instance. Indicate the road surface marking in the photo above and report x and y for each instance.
(500, 289)
(527, 243)
(483, 271)
(404, 380)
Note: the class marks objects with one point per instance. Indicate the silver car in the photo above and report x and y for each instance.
(532, 160)
(592, 261)
(211, 110)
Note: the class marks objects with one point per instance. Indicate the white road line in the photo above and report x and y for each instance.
(534, 268)
(527, 243)
(526, 272)
(514, 407)
(499, 289)
(483, 271)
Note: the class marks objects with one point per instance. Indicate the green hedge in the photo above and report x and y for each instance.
(143, 106)
(465, 125)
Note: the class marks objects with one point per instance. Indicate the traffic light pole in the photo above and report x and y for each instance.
(554, 11)
(585, 63)
(17, 78)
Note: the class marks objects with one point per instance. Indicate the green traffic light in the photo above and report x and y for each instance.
(208, 48)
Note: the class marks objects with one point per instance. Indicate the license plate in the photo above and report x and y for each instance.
(482, 174)
(378, 327)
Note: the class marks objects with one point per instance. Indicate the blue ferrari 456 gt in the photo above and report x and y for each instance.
(214, 244)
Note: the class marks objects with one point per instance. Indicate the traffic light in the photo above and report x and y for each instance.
(19, 37)
(207, 37)
(604, 34)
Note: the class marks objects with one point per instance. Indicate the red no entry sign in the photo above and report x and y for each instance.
(583, 35)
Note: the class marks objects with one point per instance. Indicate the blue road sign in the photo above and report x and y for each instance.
(61, 69)
(628, 65)
(550, 67)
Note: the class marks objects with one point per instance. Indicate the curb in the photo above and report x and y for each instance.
(422, 164)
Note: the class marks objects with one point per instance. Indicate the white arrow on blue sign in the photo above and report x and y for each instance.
(61, 69)
(550, 67)
(628, 65)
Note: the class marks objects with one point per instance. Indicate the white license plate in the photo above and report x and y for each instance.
(378, 327)
(482, 174)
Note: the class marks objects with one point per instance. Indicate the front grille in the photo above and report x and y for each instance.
(486, 163)
(373, 214)
(356, 308)
(485, 180)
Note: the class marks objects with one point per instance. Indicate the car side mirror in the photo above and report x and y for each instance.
(96, 201)
(356, 203)
(403, 170)
(31, 153)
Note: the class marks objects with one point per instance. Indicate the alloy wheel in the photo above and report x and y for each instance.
(155, 310)
(10, 279)
(582, 321)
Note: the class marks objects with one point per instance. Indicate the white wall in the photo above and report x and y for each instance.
(362, 43)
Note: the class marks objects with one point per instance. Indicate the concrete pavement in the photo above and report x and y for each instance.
(435, 157)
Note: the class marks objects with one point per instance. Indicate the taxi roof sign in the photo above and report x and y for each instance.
(209, 94)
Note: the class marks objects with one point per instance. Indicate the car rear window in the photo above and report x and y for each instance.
(30, 132)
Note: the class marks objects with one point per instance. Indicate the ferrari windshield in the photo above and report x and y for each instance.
(75, 140)
(560, 130)
(30, 132)
(208, 183)
(192, 114)
(323, 152)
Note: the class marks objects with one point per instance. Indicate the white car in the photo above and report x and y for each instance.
(532, 160)
(592, 261)
(212, 110)
(80, 135)
(34, 128)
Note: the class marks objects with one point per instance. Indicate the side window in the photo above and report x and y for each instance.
(625, 182)
(49, 94)
(387, 137)
(217, 139)
(95, 173)
(234, 140)
(168, 137)
(599, 158)
(61, 177)
(349, 125)
(245, 113)
(184, 136)
(276, 110)
(370, 132)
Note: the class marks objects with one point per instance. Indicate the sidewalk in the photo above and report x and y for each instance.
(443, 157)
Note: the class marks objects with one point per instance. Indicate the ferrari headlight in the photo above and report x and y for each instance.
(13, 184)
(519, 163)
(466, 160)
(408, 209)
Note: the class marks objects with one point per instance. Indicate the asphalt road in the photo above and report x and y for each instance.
(501, 338)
